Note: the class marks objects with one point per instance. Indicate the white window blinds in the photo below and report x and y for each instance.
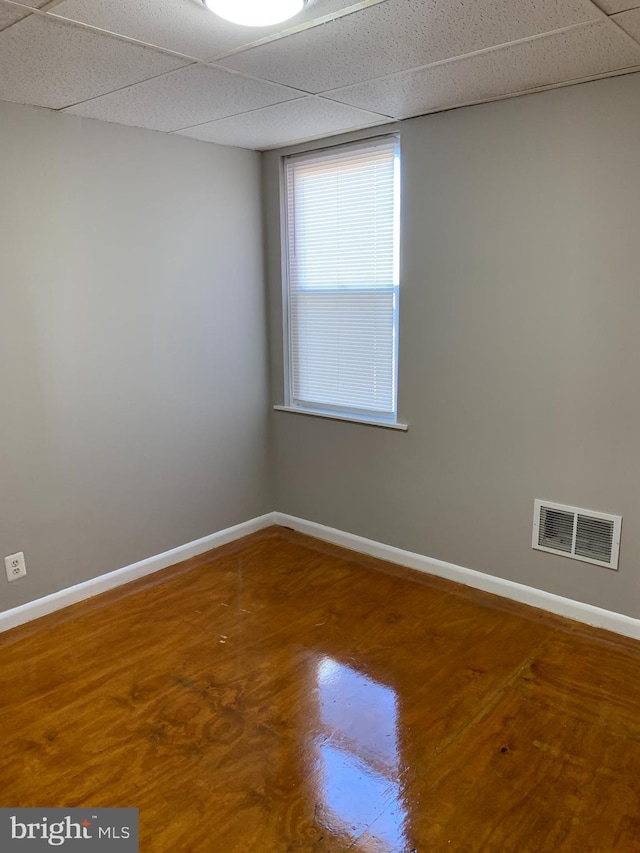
(342, 248)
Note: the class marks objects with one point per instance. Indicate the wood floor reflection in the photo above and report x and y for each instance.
(281, 695)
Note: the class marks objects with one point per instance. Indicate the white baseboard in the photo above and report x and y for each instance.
(586, 613)
(578, 610)
(73, 594)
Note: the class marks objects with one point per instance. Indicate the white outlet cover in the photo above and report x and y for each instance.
(15, 566)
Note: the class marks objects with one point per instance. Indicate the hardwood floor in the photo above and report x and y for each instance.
(280, 694)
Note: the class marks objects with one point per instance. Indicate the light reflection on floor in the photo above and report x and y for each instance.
(358, 756)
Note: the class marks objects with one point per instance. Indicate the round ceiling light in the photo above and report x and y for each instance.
(255, 13)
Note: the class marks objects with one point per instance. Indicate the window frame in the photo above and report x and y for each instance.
(345, 413)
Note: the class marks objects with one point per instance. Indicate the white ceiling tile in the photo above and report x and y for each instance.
(630, 22)
(307, 118)
(189, 96)
(50, 64)
(402, 34)
(185, 26)
(573, 54)
(613, 6)
(11, 14)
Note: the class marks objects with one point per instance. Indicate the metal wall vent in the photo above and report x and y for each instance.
(593, 537)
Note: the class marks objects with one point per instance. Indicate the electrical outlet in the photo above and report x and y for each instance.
(15, 566)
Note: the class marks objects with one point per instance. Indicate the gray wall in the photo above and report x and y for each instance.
(519, 347)
(132, 345)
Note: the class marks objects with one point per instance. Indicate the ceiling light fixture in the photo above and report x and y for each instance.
(255, 13)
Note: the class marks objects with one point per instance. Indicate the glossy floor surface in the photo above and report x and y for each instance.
(283, 695)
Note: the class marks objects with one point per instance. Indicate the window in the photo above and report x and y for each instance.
(341, 253)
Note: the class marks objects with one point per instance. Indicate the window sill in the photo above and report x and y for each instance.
(333, 417)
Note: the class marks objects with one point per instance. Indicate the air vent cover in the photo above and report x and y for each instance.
(593, 537)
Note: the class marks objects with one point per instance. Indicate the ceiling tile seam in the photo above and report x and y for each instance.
(235, 115)
(620, 12)
(597, 5)
(21, 5)
(268, 106)
(50, 5)
(121, 88)
(301, 92)
(247, 76)
(13, 23)
(599, 11)
(385, 116)
(612, 18)
(31, 9)
(300, 28)
(576, 81)
(493, 49)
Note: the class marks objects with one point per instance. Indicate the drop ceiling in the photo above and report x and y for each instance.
(173, 66)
